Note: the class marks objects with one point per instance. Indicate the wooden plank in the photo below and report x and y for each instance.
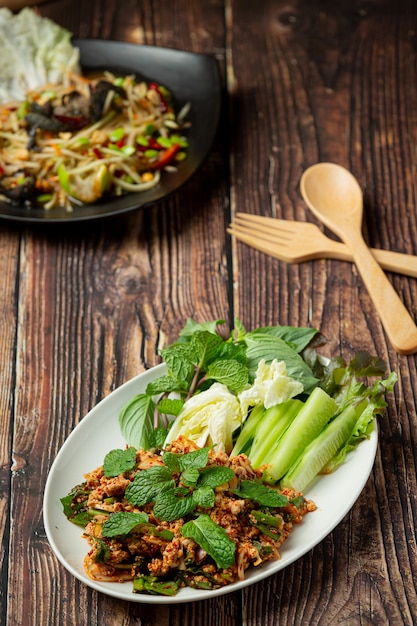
(324, 83)
(9, 464)
(85, 308)
(96, 304)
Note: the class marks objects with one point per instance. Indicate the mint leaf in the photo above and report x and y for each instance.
(266, 496)
(190, 477)
(205, 347)
(192, 326)
(119, 461)
(214, 476)
(179, 361)
(169, 507)
(195, 459)
(212, 538)
(234, 351)
(165, 384)
(171, 460)
(147, 484)
(122, 523)
(204, 497)
(170, 407)
(157, 438)
(229, 372)
(136, 421)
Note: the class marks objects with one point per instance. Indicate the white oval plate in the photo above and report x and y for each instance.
(99, 432)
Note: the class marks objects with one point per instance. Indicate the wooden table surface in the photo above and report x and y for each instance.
(84, 308)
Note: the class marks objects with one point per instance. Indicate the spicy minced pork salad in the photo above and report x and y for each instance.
(189, 517)
(220, 452)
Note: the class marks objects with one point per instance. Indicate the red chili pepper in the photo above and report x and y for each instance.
(164, 104)
(97, 153)
(153, 144)
(166, 157)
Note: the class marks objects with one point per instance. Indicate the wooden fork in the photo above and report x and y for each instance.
(295, 242)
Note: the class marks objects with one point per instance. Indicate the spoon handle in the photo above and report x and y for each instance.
(397, 262)
(398, 324)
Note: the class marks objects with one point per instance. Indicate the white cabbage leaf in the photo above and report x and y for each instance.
(271, 386)
(208, 418)
(34, 51)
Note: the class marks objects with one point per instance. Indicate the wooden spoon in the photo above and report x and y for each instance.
(335, 198)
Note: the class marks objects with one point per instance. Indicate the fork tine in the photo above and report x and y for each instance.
(266, 223)
(290, 226)
(286, 240)
(290, 230)
(265, 243)
(264, 228)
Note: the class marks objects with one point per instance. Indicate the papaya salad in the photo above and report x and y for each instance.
(221, 451)
(87, 139)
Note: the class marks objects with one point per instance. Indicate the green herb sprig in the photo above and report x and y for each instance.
(201, 357)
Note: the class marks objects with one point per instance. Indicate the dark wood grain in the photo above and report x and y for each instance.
(85, 308)
(327, 85)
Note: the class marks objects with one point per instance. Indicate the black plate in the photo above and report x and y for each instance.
(191, 77)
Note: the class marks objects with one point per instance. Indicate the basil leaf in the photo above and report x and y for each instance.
(298, 337)
(212, 538)
(264, 346)
(136, 421)
(119, 461)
